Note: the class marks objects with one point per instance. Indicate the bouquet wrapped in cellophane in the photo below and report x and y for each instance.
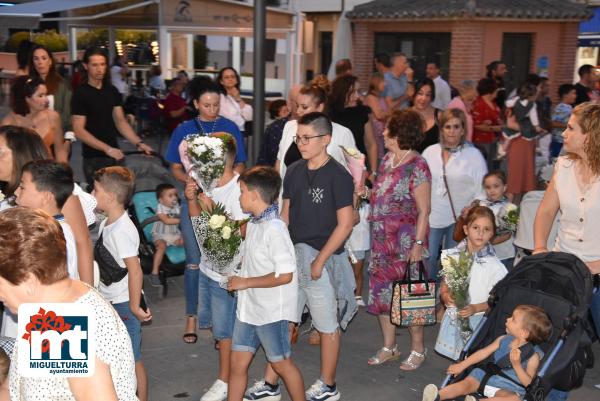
(456, 270)
(508, 218)
(203, 158)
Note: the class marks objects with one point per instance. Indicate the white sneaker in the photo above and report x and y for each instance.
(216, 392)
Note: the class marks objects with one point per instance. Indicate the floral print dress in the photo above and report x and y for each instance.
(394, 219)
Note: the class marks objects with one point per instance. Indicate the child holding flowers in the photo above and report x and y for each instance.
(222, 305)
(471, 270)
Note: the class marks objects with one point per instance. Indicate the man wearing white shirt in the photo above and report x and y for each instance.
(442, 89)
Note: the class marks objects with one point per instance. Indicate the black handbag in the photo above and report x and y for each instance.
(110, 271)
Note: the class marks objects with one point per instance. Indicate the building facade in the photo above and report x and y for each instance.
(464, 36)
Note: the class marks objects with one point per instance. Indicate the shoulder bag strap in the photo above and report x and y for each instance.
(447, 187)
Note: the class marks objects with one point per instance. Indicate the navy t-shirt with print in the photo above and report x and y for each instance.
(189, 127)
(315, 197)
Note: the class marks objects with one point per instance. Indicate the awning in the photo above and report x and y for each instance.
(592, 25)
(28, 15)
(588, 41)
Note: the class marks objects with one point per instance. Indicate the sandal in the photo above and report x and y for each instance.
(190, 337)
(414, 360)
(383, 355)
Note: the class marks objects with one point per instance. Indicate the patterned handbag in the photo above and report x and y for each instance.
(413, 302)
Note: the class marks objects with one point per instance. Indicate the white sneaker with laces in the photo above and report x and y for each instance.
(216, 392)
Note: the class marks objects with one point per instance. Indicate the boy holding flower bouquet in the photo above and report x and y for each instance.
(267, 289)
(222, 304)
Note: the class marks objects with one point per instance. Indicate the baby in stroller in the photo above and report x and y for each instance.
(165, 231)
(516, 355)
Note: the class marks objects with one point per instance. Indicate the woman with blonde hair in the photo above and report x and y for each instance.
(379, 111)
(457, 171)
(575, 190)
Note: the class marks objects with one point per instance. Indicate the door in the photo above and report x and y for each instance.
(420, 48)
(516, 54)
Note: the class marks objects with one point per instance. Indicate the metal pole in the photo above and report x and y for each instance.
(258, 85)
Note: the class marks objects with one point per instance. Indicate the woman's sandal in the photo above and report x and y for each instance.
(383, 355)
(190, 337)
(414, 360)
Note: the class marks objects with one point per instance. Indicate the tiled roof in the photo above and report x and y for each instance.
(450, 9)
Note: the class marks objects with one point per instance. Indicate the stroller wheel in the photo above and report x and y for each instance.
(536, 393)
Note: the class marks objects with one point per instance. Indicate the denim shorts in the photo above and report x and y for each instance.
(134, 328)
(274, 338)
(319, 294)
(222, 306)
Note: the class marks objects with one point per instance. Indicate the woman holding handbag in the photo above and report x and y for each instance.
(400, 211)
(457, 170)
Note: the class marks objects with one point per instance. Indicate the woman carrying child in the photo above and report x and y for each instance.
(516, 353)
(486, 269)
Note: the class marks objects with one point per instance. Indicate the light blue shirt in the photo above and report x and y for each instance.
(395, 87)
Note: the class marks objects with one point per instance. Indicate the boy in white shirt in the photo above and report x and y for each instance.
(267, 287)
(213, 296)
(46, 185)
(113, 187)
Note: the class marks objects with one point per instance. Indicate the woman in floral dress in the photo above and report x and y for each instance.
(400, 202)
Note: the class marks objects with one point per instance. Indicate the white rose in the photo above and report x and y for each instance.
(226, 232)
(197, 141)
(351, 151)
(202, 148)
(2, 196)
(216, 221)
(510, 207)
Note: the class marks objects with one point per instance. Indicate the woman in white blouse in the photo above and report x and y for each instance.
(463, 167)
(232, 105)
(575, 191)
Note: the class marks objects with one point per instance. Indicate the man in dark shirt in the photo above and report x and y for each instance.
(497, 70)
(584, 86)
(98, 118)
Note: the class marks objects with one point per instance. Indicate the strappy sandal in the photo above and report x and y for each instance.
(414, 360)
(383, 355)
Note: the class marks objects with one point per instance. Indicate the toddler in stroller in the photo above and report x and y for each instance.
(516, 360)
(165, 231)
(561, 285)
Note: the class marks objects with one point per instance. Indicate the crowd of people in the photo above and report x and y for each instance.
(441, 166)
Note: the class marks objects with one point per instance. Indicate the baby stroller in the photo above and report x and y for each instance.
(561, 284)
(149, 172)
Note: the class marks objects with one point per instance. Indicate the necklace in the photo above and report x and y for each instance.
(314, 177)
(212, 129)
(399, 161)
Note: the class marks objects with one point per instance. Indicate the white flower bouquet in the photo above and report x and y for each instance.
(508, 218)
(456, 270)
(2, 196)
(203, 158)
(220, 238)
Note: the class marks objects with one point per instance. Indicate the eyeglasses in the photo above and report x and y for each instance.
(451, 126)
(305, 139)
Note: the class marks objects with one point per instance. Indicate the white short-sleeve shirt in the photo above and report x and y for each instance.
(71, 250)
(268, 249)
(122, 240)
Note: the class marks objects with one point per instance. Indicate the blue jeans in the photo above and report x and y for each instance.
(439, 237)
(274, 338)
(134, 327)
(222, 307)
(192, 259)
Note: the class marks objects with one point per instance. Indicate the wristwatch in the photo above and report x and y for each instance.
(419, 242)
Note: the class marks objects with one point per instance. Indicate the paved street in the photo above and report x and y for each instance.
(180, 371)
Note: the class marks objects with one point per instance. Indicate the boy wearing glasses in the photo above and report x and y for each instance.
(317, 205)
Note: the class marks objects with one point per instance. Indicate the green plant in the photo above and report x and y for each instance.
(12, 44)
(200, 54)
(54, 41)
